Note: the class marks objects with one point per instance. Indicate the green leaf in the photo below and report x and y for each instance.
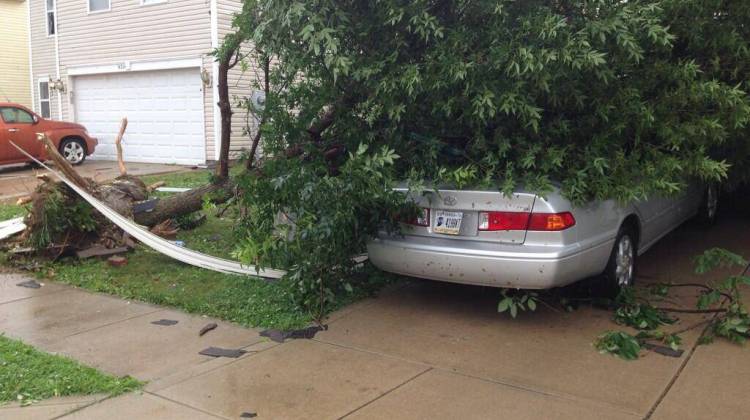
(504, 304)
(532, 304)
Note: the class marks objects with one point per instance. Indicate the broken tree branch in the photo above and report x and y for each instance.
(692, 311)
(23, 200)
(185, 203)
(267, 90)
(156, 185)
(118, 141)
(63, 165)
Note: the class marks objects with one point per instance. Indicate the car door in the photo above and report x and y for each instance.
(19, 128)
(657, 217)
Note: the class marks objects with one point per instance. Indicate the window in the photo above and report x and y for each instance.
(51, 21)
(98, 5)
(13, 115)
(44, 98)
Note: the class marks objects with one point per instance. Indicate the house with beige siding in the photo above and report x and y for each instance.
(96, 61)
(14, 55)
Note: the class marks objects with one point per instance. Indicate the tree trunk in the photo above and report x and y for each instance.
(267, 90)
(185, 203)
(225, 109)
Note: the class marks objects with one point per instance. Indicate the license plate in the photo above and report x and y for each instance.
(447, 222)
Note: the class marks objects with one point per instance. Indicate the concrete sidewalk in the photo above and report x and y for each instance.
(19, 180)
(424, 350)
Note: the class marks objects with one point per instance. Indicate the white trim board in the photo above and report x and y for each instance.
(215, 79)
(126, 66)
(31, 52)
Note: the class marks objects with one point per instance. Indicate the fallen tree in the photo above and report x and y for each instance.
(601, 99)
(58, 216)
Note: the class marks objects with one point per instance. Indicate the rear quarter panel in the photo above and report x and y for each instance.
(597, 224)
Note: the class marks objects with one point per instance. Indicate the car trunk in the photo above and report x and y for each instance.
(449, 208)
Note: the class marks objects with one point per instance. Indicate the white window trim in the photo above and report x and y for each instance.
(46, 18)
(154, 3)
(39, 82)
(93, 12)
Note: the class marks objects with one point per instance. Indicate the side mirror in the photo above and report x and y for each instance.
(35, 118)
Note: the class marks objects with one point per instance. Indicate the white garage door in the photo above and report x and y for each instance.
(164, 110)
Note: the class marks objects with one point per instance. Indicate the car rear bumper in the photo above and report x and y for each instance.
(497, 265)
(91, 143)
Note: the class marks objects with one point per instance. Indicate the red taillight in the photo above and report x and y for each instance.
(422, 219)
(503, 220)
(551, 221)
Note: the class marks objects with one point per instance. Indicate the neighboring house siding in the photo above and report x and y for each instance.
(173, 30)
(42, 55)
(129, 31)
(241, 84)
(14, 57)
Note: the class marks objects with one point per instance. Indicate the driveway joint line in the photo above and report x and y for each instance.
(211, 370)
(84, 406)
(185, 405)
(386, 393)
(517, 386)
(677, 374)
(109, 324)
(35, 296)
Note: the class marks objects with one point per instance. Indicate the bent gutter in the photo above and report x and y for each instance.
(159, 244)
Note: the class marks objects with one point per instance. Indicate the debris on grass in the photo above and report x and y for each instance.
(117, 261)
(100, 251)
(166, 229)
(172, 189)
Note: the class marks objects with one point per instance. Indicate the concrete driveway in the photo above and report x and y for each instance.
(424, 350)
(20, 180)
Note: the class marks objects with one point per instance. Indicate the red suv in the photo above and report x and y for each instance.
(20, 125)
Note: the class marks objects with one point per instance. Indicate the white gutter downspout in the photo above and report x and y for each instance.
(31, 60)
(57, 61)
(215, 79)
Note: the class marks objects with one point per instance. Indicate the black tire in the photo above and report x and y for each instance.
(73, 150)
(709, 206)
(621, 267)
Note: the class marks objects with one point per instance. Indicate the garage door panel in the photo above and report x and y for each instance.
(164, 110)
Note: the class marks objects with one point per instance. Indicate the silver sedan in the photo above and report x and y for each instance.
(528, 241)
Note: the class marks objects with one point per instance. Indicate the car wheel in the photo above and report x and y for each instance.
(620, 271)
(710, 205)
(73, 150)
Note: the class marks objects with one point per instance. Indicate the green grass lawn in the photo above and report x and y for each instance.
(9, 211)
(28, 375)
(152, 277)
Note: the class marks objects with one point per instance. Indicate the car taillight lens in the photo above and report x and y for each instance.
(422, 219)
(551, 221)
(501, 220)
